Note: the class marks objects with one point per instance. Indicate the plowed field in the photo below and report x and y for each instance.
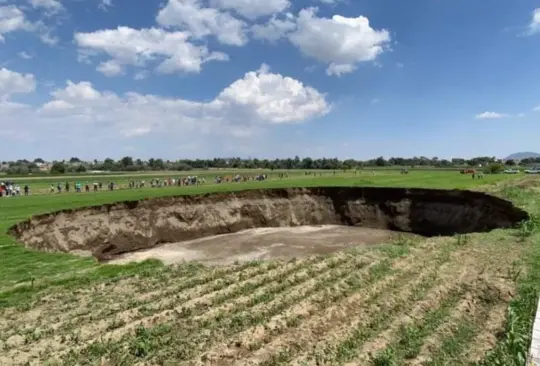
(424, 302)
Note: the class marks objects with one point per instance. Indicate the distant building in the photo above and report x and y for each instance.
(44, 167)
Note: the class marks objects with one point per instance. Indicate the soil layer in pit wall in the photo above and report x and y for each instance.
(262, 244)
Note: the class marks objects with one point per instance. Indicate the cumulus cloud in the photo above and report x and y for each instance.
(253, 103)
(490, 115)
(110, 68)
(273, 98)
(105, 4)
(12, 82)
(339, 41)
(253, 9)
(275, 28)
(534, 25)
(51, 6)
(25, 55)
(12, 19)
(202, 21)
(127, 46)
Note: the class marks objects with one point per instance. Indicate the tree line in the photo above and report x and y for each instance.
(128, 163)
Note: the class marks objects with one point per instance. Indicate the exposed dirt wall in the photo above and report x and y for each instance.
(112, 229)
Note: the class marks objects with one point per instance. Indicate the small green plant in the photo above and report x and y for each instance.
(514, 346)
(528, 227)
(515, 271)
(140, 345)
(462, 239)
(402, 240)
(385, 358)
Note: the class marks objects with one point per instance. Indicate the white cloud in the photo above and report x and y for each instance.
(110, 68)
(52, 6)
(12, 19)
(105, 4)
(48, 38)
(536, 108)
(534, 25)
(339, 69)
(272, 98)
(127, 46)
(340, 42)
(25, 55)
(374, 101)
(274, 28)
(249, 105)
(141, 75)
(490, 115)
(253, 9)
(202, 21)
(12, 82)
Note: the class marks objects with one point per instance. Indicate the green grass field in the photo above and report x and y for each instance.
(63, 309)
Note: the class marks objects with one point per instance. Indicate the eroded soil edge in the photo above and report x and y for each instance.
(112, 229)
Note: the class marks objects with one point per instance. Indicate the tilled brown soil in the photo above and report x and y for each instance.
(425, 302)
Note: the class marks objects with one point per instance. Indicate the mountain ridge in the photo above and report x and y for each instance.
(522, 155)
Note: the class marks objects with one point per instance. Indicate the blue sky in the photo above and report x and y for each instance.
(273, 78)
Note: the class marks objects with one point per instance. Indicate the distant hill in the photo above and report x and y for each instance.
(522, 155)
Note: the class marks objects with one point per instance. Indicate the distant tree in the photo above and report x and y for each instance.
(108, 164)
(126, 161)
(74, 160)
(39, 160)
(510, 162)
(58, 167)
(495, 168)
(158, 164)
(183, 166)
(80, 168)
(380, 161)
(32, 167)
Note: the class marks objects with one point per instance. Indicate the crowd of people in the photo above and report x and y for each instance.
(78, 187)
(156, 182)
(10, 188)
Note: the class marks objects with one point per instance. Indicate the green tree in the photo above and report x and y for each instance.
(495, 168)
(58, 167)
(126, 161)
(380, 161)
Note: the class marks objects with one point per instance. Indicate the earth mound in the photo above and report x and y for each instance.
(110, 230)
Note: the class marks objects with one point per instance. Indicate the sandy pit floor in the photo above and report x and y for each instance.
(261, 244)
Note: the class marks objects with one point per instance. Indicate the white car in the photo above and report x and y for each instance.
(535, 170)
(511, 171)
